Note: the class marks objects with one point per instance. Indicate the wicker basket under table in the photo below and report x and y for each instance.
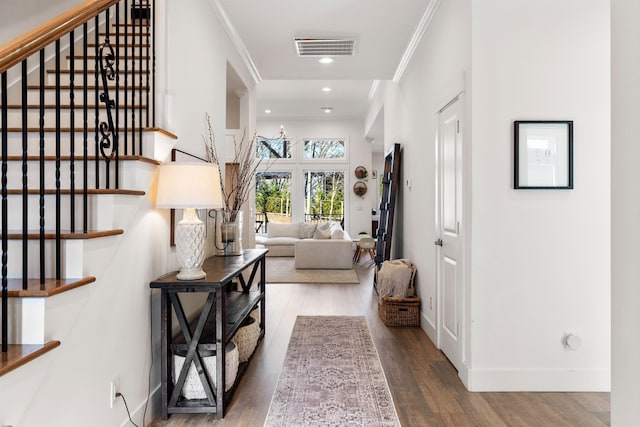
(399, 312)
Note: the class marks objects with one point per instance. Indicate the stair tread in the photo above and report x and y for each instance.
(49, 288)
(79, 158)
(91, 72)
(78, 191)
(20, 354)
(93, 45)
(122, 56)
(67, 129)
(78, 107)
(78, 87)
(131, 33)
(64, 234)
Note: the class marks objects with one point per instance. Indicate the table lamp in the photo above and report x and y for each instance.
(189, 186)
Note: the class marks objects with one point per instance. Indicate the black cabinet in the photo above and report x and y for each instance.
(223, 313)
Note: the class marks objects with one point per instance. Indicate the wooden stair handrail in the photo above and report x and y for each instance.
(24, 46)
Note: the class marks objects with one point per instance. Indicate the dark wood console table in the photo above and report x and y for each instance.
(214, 327)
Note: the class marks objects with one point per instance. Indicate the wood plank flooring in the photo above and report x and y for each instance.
(425, 386)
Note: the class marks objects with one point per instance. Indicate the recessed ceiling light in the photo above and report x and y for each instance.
(326, 89)
(326, 109)
(325, 60)
(267, 111)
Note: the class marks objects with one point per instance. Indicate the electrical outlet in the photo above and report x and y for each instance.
(113, 389)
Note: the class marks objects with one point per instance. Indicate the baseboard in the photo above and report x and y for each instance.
(429, 328)
(563, 380)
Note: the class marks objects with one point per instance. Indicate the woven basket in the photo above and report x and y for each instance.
(247, 338)
(399, 312)
(192, 388)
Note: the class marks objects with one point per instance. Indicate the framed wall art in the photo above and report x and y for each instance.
(543, 154)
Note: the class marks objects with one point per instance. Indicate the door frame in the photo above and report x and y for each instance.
(463, 332)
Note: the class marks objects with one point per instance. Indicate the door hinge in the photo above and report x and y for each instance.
(458, 126)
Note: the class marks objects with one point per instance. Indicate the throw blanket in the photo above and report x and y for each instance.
(395, 279)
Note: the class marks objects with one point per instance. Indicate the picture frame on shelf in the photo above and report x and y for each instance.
(543, 154)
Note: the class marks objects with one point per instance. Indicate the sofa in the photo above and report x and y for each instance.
(323, 245)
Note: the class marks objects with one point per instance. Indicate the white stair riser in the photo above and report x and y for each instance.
(33, 143)
(79, 78)
(26, 320)
(132, 62)
(33, 97)
(133, 34)
(128, 175)
(71, 258)
(79, 257)
(33, 119)
(104, 210)
(96, 218)
(14, 174)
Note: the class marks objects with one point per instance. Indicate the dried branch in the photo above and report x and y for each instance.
(237, 192)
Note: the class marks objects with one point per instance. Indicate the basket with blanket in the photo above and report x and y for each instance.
(398, 305)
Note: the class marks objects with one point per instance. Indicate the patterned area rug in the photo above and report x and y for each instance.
(283, 270)
(331, 377)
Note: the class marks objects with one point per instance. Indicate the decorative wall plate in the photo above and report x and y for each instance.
(360, 188)
(361, 172)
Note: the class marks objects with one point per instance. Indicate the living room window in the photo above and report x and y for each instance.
(273, 148)
(273, 199)
(301, 180)
(324, 195)
(324, 148)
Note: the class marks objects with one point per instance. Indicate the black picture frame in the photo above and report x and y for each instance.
(543, 154)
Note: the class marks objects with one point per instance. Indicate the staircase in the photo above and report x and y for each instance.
(79, 152)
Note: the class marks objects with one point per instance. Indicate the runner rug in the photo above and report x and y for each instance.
(331, 376)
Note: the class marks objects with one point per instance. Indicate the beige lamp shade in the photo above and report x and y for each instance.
(189, 185)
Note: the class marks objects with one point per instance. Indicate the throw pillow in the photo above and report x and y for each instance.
(337, 234)
(336, 231)
(307, 230)
(283, 230)
(323, 231)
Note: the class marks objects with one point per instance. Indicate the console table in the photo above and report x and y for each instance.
(212, 329)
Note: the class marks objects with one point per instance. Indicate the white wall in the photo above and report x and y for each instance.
(625, 211)
(19, 16)
(196, 74)
(540, 265)
(357, 209)
(435, 75)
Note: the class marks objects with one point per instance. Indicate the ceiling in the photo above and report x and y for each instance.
(291, 86)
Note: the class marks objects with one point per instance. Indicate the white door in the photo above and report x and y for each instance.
(450, 250)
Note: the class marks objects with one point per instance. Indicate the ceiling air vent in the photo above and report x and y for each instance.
(306, 46)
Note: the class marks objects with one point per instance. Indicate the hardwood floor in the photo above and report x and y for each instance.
(425, 386)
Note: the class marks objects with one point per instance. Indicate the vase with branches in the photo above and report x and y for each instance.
(248, 155)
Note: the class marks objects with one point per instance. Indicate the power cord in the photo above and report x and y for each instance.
(118, 394)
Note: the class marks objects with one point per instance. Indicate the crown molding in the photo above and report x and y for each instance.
(236, 40)
(428, 15)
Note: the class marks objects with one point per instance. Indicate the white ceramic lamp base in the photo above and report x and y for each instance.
(190, 246)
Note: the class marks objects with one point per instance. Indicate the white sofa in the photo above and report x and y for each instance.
(314, 245)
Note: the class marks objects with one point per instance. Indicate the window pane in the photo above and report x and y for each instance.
(273, 199)
(273, 149)
(324, 196)
(324, 149)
